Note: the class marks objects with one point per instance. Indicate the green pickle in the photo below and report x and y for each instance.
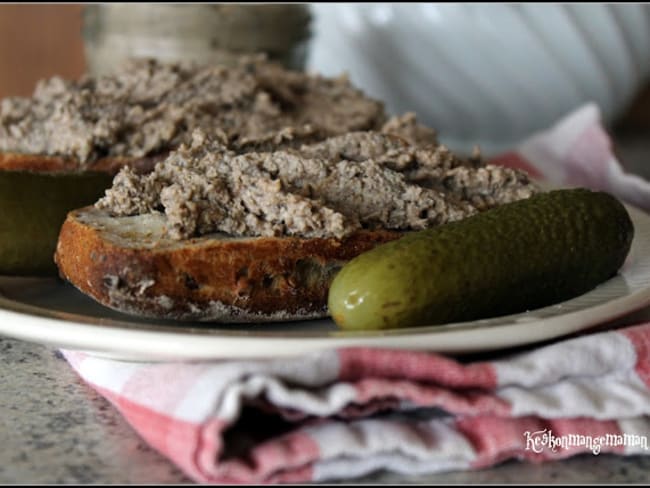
(510, 259)
(33, 205)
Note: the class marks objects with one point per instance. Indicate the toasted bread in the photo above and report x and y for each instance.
(128, 264)
(41, 162)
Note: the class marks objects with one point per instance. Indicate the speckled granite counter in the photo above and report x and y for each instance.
(54, 429)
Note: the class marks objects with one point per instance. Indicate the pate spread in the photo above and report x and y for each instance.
(150, 107)
(364, 179)
(255, 150)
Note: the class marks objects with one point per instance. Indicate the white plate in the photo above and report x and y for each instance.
(50, 312)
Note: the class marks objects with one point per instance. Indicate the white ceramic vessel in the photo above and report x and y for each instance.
(487, 73)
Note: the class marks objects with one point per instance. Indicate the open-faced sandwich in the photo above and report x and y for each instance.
(240, 191)
(252, 215)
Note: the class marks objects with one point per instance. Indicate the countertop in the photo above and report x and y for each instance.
(54, 429)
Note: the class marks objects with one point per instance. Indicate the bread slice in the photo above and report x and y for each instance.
(40, 162)
(127, 264)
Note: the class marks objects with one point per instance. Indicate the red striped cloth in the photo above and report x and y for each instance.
(340, 414)
(345, 413)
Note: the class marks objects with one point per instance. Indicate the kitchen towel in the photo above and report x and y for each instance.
(345, 413)
(578, 151)
(340, 414)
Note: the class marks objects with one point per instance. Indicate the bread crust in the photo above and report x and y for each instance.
(39, 162)
(209, 278)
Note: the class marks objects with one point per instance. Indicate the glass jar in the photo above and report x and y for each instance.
(205, 33)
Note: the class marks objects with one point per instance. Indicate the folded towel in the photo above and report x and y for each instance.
(577, 151)
(345, 413)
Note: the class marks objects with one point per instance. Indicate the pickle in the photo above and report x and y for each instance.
(33, 205)
(510, 259)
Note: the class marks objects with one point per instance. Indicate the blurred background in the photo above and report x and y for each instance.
(487, 73)
(38, 41)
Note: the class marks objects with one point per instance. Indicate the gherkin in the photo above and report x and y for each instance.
(33, 206)
(517, 257)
